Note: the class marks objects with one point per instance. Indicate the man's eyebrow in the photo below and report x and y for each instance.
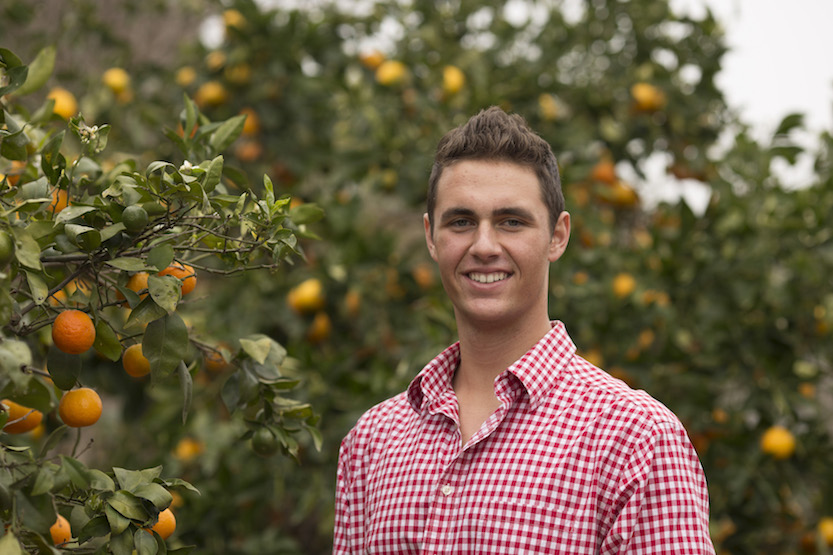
(455, 212)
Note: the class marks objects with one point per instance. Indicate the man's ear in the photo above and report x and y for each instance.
(429, 237)
(560, 237)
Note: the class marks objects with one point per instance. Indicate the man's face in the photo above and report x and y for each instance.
(492, 242)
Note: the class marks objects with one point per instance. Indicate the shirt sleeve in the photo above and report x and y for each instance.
(665, 500)
(344, 518)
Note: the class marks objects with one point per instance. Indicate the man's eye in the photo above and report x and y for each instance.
(459, 223)
(513, 223)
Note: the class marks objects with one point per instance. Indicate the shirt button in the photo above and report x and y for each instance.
(447, 490)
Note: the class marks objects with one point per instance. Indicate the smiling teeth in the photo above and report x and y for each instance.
(488, 278)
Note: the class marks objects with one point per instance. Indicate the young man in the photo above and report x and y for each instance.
(508, 441)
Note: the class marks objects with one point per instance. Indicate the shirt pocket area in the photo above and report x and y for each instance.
(505, 526)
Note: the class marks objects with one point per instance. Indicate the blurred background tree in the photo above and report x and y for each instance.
(722, 312)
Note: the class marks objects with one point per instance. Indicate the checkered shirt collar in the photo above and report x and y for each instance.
(538, 370)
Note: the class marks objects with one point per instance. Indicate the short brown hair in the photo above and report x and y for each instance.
(494, 135)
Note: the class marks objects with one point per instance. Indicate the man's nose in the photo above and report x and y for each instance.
(485, 242)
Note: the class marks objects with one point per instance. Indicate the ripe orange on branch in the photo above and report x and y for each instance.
(60, 531)
(65, 104)
(135, 363)
(166, 525)
(307, 296)
(21, 418)
(185, 273)
(73, 331)
(80, 407)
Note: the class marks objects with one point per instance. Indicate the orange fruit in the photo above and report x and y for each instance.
(137, 282)
(187, 448)
(116, 79)
(214, 361)
(233, 18)
(134, 361)
(60, 200)
(27, 418)
(453, 80)
(184, 273)
(778, 442)
(623, 285)
(372, 60)
(647, 97)
(548, 106)
(252, 124)
(73, 331)
(65, 104)
(391, 72)
(307, 296)
(248, 150)
(60, 531)
(825, 530)
(353, 302)
(166, 524)
(424, 276)
(604, 171)
(211, 93)
(320, 328)
(185, 76)
(80, 407)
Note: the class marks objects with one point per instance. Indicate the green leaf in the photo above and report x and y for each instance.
(129, 479)
(106, 341)
(26, 249)
(63, 368)
(77, 472)
(111, 230)
(122, 544)
(160, 257)
(166, 291)
(144, 543)
(147, 311)
(789, 123)
(44, 480)
(39, 71)
(129, 264)
(156, 494)
(87, 238)
(128, 505)
(213, 175)
(187, 386)
(9, 544)
(97, 527)
(6, 306)
(37, 287)
(117, 521)
(306, 213)
(16, 78)
(101, 481)
(72, 212)
(227, 133)
(257, 349)
(165, 343)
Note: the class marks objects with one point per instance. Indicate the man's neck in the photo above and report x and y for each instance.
(485, 352)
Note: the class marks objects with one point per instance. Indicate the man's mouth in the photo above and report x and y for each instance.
(488, 278)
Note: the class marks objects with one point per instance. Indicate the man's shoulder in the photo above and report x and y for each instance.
(383, 416)
(615, 397)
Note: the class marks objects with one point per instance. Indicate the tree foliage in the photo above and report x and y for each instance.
(721, 311)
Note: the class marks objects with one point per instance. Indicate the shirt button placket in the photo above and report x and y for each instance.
(447, 489)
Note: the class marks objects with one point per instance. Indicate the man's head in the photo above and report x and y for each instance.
(494, 135)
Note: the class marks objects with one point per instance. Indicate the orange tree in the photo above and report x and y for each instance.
(714, 312)
(722, 313)
(76, 230)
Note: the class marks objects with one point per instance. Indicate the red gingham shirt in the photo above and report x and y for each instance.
(573, 462)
